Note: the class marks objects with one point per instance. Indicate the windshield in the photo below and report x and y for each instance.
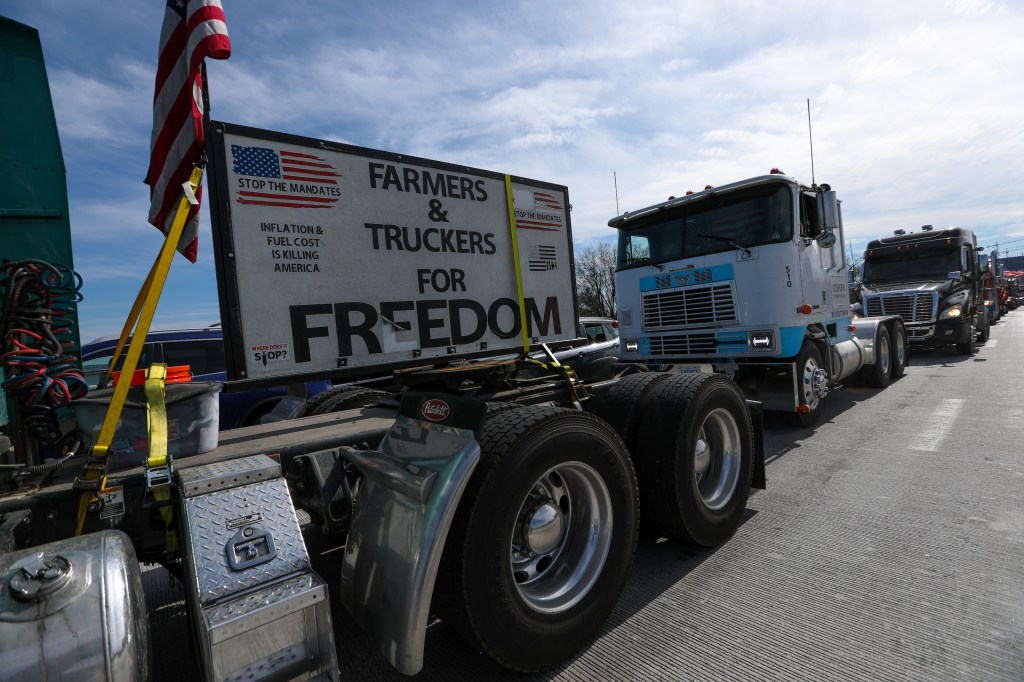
(933, 266)
(737, 220)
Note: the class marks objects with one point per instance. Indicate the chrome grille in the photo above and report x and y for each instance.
(702, 304)
(684, 344)
(916, 307)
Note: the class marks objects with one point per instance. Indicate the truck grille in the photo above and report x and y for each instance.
(684, 344)
(916, 307)
(703, 304)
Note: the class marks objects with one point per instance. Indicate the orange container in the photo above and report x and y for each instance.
(178, 374)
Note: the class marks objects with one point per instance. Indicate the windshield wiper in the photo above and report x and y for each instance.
(645, 261)
(726, 240)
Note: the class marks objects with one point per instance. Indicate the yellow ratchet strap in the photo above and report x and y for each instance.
(515, 257)
(93, 477)
(129, 324)
(158, 465)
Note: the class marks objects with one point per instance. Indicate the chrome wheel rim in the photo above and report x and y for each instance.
(882, 355)
(716, 459)
(901, 349)
(808, 377)
(561, 538)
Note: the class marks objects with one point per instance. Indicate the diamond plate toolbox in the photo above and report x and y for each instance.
(260, 610)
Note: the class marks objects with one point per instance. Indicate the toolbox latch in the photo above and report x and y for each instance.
(250, 547)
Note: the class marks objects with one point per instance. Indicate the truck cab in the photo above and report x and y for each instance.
(747, 279)
(933, 281)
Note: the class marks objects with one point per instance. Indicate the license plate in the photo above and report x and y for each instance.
(694, 369)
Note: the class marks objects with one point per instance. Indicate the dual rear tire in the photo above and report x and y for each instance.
(544, 538)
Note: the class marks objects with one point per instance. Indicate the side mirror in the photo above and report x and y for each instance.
(828, 208)
(956, 274)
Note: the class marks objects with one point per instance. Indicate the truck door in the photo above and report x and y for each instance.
(834, 264)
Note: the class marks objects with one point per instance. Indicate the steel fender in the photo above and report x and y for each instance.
(866, 329)
(402, 516)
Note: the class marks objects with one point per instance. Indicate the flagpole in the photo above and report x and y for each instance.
(206, 109)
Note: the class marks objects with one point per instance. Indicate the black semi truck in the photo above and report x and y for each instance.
(931, 278)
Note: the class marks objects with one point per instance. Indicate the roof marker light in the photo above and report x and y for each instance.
(776, 171)
(805, 309)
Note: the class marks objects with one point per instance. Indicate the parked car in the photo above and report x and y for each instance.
(203, 351)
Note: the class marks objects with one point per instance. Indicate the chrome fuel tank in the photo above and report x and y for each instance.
(73, 610)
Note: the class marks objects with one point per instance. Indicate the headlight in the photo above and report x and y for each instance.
(761, 341)
(632, 346)
(951, 312)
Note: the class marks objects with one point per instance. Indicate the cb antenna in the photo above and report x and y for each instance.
(810, 136)
(616, 178)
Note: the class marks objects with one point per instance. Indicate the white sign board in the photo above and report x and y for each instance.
(334, 258)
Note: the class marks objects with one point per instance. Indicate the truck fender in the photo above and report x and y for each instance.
(866, 331)
(411, 488)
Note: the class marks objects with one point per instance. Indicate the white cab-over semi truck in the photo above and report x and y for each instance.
(749, 280)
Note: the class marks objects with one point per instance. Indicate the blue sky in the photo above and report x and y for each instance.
(917, 106)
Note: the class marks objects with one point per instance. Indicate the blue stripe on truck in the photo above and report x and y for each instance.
(791, 338)
(690, 276)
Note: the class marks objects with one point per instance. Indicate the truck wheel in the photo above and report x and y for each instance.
(879, 374)
(984, 332)
(808, 365)
(622, 405)
(349, 400)
(543, 539)
(315, 401)
(966, 348)
(694, 458)
(899, 351)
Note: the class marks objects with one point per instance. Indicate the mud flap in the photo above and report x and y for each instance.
(758, 479)
(405, 505)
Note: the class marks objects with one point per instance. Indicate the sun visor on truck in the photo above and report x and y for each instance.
(339, 261)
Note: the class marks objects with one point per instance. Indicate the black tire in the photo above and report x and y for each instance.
(694, 458)
(349, 400)
(622, 405)
(257, 413)
(496, 408)
(900, 352)
(315, 401)
(968, 347)
(530, 607)
(808, 363)
(879, 374)
(984, 332)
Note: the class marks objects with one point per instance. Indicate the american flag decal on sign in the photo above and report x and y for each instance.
(542, 258)
(295, 179)
(545, 215)
(546, 200)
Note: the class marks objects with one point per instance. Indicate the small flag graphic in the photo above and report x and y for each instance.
(308, 181)
(542, 259)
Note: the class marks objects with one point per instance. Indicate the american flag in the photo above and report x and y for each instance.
(298, 168)
(542, 258)
(192, 31)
